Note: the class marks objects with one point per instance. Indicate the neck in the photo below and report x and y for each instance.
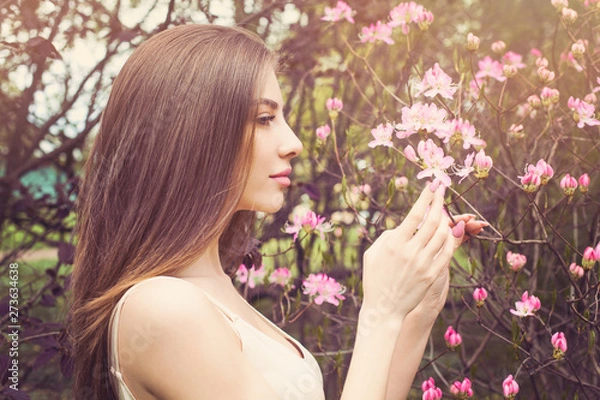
(208, 265)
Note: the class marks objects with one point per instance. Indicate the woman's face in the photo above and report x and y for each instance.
(275, 144)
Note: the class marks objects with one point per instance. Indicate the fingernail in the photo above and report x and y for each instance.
(434, 185)
(458, 230)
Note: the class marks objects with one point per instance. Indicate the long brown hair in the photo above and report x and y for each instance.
(163, 177)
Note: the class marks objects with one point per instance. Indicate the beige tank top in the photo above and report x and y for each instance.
(291, 377)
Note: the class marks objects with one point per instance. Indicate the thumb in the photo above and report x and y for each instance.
(458, 231)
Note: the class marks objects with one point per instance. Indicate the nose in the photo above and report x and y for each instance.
(290, 146)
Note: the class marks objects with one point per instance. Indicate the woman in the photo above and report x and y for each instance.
(193, 142)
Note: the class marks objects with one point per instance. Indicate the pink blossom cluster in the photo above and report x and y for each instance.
(405, 13)
(322, 288)
(341, 11)
(479, 163)
(432, 159)
(452, 338)
(459, 130)
(583, 112)
(479, 295)
(516, 261)
(382, 135)
(435, 82)
(430, 391)
(427, 118)
(559, 343)
(253, 276)
(309, 222)
(281, 277)
(527, 306)
(490, 68)
(549, 96)
(461, 390)
(377, 32)
(536, 176)
(510, 387)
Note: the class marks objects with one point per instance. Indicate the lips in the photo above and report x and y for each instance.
(282, 177)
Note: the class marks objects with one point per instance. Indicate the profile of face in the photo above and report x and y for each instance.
(275, 144)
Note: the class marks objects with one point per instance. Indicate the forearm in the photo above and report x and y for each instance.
(371, 359)
(408, 353)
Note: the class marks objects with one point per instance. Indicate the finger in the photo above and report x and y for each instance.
(461, 217)
(437, 241)
(415, 215)
(475, 227)
(433, 218)
(444, 255)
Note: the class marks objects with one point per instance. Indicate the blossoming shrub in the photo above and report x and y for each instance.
(509, 124)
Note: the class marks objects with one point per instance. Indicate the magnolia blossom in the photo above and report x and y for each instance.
(375, 32)
(512, 58)
(435, 82)
(252, 277)
(461, 390)
(434, 162)
(310, 222)
(405, 13)
(323, 131)
(341, 11)
(584, 183)
(568, 184)
(515, 260)
(527, 306)
(430, 391)
(382, 135)
(322, 288)
(479, 295)
(559, 342)
(510, 387)
(583, 113)
(590, 257)
(421, 117)
(452, 338)
(490, 68)
(576, 271)
(281, 276)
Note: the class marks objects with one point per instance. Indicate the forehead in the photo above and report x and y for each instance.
(271, 92)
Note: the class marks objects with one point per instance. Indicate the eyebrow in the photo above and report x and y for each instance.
(269, 103)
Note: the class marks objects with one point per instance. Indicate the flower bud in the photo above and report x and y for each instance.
(452, 338)
(584, 183)
(334, 106)
(578, 48)
(401, 183)
(541, 62)
(479, 295)
(568, 184)
(559, 342)
(510, 387)
(516, 131)
(498, 47)
(576, 271)
(482, 165)
(323, 131)
(560, 4)
(569, 15)
(545, 75)
(589, 258)
(509, 70)
(472, 42)
(534, 101)
(516, 261)
(549, 96)
(461, 390)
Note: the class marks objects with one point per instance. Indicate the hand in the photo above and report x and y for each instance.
(465, 223)
(401, 266)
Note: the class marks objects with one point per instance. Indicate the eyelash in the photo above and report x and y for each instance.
(266, 121)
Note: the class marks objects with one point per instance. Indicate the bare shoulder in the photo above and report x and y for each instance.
(174, 343)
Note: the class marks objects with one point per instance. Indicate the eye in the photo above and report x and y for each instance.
(266, 120)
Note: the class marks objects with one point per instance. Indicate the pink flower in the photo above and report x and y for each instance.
(376, 32)
(405, 13)
(452, 338)
(421, 117)
(409, 153)
(527, 306)
(461, 390)
(510, 387)
(383, 135)
(559, 342)
(569, 15)
(339, 12)
(467, 169)
(256, 276)
(309, 222)
(323, 131)
(435, 82)
(535, 52)
(583, 113)
(490, 68)
(516, 131)
(549, 96)
(512, 58)
(568, 184)
(242, 274)
(334, 104)
(479, 295)
(472, 42)
(459, 130)
(401, 183)
(589, 258)
(530, 182)
(536, 175)
(516, 261)
(435, 162)
(430, 391)
(584, 183)
(569, 58)
(322, 288)
(483, 164)
(545, 74)
(534, 101)
(576, 271)
(498, 46)
(281, 276)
